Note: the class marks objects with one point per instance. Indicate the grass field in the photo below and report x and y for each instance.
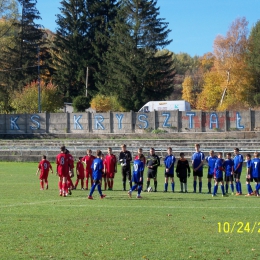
(41, 225)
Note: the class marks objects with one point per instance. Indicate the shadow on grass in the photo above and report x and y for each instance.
(111, 197)
(115, 195)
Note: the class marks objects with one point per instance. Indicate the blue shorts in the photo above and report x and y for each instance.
(136, 179)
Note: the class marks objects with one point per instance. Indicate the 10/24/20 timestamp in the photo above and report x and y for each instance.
(238, 227)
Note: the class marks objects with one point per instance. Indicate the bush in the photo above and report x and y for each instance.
(80, 103)
(26, 101)
(102, 103)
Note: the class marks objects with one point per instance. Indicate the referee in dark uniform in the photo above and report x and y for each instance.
(152, 162)
(125, 158)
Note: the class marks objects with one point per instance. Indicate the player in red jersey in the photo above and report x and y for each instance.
(104, 173)
(80, 173)
(88, 160)
(44, 166)
(64, 164)
(110, 168)
(71, 173)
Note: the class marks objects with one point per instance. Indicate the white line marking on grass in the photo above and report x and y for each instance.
(57, 203)
(157, 207)
(35, 203)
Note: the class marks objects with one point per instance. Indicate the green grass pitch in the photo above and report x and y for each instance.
(42, 225)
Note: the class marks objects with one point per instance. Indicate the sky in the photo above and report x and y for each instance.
(194, 24)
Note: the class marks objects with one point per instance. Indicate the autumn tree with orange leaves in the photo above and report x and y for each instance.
(188, 92)
(208, 99)
(26, 101)
(230, 62)
(102, 103)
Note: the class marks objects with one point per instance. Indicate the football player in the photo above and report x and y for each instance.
(138, 169)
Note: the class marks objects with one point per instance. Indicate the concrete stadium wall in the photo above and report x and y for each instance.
(130, 122)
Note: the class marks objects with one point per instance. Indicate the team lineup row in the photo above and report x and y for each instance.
(100, 167)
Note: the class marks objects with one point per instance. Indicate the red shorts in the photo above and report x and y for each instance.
(43, 176)
(63, 175)
(104, 175)
(110, 175)
(89, 174)
(80, 176)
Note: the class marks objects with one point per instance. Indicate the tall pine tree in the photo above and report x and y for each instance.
(71, 45)
(102, 14)
(80, 42)
(20, 50)
(20, 59)
(135, 69)
(253, 61)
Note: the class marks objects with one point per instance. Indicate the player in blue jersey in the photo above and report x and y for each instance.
(169, 169)
(249, 177)
(229, 169)
(137, 178)
(218, 171)
(97, 170)
(197, 165)
(211, 159)
(238, 164)
(255, 173)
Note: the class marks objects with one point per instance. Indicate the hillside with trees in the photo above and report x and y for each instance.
(118, 50)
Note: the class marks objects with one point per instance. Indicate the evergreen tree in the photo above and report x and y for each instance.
(253, 60)
(21, 46)
(21, 59)
(135, 71)
(81, 40)
(71, 55)
(102, 15)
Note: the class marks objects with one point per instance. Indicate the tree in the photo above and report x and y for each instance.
(188, 93)
(230, 61)
(253, 60)
(81, 40)
(102, 103)
(135, 70)
(186, 66)
(26, 101)
(206, 62)
(102, 14)
(6, 40)
(21, 59)
(80, 103)
(184, 63)
(8, 15)
(20, 52)
(71, 55)
(208, 99)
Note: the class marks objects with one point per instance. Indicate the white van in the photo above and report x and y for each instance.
(180, 105)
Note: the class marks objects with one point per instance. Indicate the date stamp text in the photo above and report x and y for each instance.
(238, 227)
